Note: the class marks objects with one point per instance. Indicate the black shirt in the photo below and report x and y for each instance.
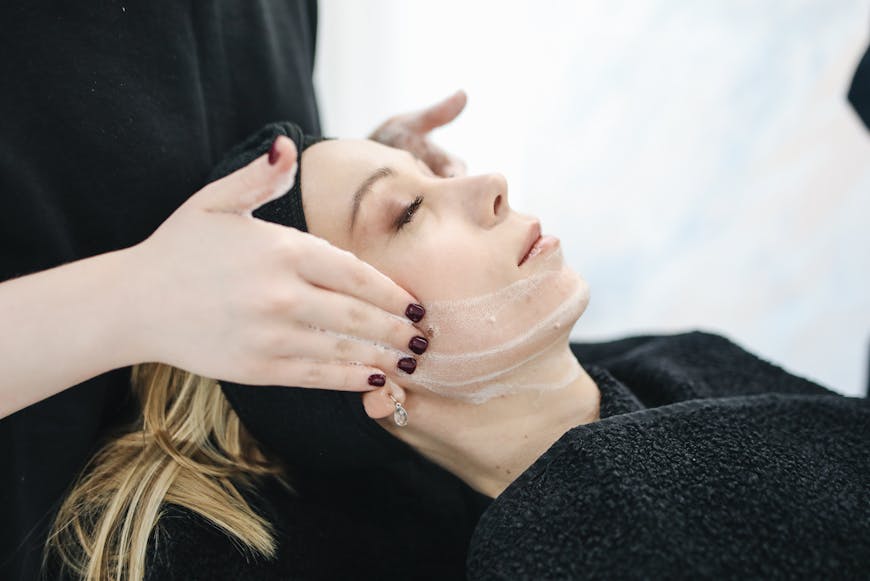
(111, 116)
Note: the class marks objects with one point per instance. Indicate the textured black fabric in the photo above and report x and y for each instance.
(859, 91)
(111, 116)
(318, 542)
(319, 537)
(404, 519)
(649, 524)
(721, 466)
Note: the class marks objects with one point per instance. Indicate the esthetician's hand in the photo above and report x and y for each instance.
(409, 131)
(229, 296)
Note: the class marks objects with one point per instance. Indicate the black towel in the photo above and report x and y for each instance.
(742, 471)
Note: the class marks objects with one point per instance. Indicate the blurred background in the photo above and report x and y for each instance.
(698, 160)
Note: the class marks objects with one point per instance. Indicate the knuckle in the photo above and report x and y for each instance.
(357, 315)
(291, 250)
(281, 302)
(348, 377)
(387, 360)
(247, 181)
(377, 357)
(269, 342)
(360, 281)
(353, 327)
(313, 374)
(400, 329)
(343, 346)
(359, 278)
(289, 301)
(253, 370)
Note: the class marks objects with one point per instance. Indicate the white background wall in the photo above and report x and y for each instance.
(698, 160)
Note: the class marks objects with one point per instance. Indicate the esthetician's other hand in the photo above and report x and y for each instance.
(409, 131)
(229, 296)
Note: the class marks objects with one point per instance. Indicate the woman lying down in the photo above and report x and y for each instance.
(500, 452)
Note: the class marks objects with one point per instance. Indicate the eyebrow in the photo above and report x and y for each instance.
(364, 189)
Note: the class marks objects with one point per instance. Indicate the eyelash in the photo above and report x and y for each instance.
(409, 212)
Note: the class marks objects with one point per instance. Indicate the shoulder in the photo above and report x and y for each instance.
(662, 369)
(692, 345)
(186, 546)
(673, 491)
(730, 369)
(308, 535)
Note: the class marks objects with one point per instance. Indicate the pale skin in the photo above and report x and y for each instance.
(217, 292)
(462, 240)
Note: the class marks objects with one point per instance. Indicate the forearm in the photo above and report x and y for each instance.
(62, 326)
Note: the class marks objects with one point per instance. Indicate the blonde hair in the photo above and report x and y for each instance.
(188, 448)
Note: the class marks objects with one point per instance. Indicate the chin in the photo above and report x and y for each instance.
(577, 300)
(566, 295)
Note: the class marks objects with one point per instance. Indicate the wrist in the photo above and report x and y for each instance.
(126, 308)
(68, 324)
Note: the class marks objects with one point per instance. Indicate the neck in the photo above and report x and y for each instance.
(488, 445)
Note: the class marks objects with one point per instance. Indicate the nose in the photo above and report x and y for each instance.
(485, 198)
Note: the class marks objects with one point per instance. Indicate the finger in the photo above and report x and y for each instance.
(435, 157)
(455, 168)
(441, 162)
(378, 404)
(324, 345)
(354, 318)
(249, 187)
(439, 114)
(311, 373)
(338, 270)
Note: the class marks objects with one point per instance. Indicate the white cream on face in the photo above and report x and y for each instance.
(479, 344)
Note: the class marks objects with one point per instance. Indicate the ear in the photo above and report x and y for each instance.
(377, 402)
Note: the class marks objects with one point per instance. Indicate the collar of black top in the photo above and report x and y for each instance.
(313, 431)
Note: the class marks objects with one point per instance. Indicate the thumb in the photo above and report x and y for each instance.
(251, 186)
(440, 113)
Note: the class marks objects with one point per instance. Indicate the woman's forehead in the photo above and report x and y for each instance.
(334, 171)
(332, 174)
(358, 154)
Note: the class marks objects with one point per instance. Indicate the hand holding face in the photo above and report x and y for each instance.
(409, 131)
(225, 295)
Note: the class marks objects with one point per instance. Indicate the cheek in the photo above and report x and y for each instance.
(447, 265)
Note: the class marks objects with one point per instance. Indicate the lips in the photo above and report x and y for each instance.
(533, 235)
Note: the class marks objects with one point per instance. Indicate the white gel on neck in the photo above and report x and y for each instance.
(491, 345)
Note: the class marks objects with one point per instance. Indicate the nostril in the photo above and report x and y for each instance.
(497, 204)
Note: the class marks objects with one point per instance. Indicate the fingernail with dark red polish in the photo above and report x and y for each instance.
(377, 379)
(274, 154)
(415, 312)
(418, 345)
(408, 364)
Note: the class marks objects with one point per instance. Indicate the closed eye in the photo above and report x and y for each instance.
(408, 214)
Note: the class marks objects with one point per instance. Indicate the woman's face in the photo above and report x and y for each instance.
(439, 238)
